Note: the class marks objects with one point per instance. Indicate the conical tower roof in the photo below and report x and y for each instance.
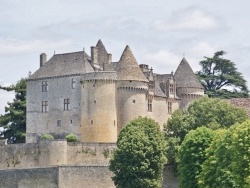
(185, 77)
(102, 53)
(128, 68)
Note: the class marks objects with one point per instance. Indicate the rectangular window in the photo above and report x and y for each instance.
(44, 86)
(59, 123)
(44, 106)
(171, 88)
(73, 82)
(150, 105)
(66, 104)
(170, 107)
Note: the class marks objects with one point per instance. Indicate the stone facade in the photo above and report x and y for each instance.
(94, 98)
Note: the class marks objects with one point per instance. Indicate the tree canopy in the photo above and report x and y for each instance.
(14, 120)
(220, 77)
(208, 112)
(139, 158)
(192, 155)
(228, 159)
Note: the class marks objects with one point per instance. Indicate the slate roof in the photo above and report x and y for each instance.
(63, 65)
(128, 68)
(185, 76)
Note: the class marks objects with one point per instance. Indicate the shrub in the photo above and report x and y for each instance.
(71, 138)
(47, 137)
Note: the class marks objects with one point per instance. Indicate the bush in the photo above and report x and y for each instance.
(71, 138)
(47, 137)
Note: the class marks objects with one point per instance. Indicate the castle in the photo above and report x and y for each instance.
(94, 97)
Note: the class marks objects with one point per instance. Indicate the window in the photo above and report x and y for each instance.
(151, 85)
(171, 88)
(59, 123)
(133, 101)
(44, 86)
(44, 106)
(150, 105)
(170, 107)
(92, 122)
(66, 104)
(73, 82)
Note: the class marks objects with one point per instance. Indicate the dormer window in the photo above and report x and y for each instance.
(171, 88)
(44, 86)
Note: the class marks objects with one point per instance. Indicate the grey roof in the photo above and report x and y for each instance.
(128, 68)
(185, 76)
(158, 91)
(64, 64)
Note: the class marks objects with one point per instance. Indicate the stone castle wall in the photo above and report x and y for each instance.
(38, 122)
(66, 176)
(99, 117)
(50, 153)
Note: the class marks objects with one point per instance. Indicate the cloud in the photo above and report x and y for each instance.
(188, 19)
(14, 46)
(162, 61)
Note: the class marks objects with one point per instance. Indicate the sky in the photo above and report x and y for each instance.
(160, 32)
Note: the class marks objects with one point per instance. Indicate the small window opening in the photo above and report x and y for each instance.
(133, 101)
(59, 123)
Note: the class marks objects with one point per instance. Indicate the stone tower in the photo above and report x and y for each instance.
(188, 87)
(132, 87)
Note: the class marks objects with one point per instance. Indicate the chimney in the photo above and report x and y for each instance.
(43, 59)
(94, 55)
(109, 58)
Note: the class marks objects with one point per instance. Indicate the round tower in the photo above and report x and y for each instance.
(188, 87)
(132, 87)
(99, 119)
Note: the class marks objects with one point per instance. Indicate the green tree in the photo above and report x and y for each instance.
(14, 120)
(139, 158)
(209, 112)
(220, 77)
(228, 159)
(192, 155)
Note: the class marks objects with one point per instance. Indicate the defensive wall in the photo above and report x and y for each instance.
(51, 153)
(58, 164)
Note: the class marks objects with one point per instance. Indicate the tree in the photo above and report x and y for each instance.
(192, 155)
(228, 159)
(220, 77)
(14, 119)
(139, 158)
(208, 112)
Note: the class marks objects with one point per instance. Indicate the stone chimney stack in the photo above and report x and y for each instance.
(43, 59)
(109, 58)
(94, 55)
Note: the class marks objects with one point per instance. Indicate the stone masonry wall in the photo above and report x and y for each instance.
(51, 153)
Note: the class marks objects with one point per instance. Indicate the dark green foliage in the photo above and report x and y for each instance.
(47, 137)
(208, 112)
(14, 119)
(228, 159)
(71, 138)
(139, 158)
(221, 79)
(192, 155)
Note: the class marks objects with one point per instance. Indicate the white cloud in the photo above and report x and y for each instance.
(13, 46)
(162, 61)
(188, 19)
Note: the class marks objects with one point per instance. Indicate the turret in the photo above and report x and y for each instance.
(188, 86)
(132, 87)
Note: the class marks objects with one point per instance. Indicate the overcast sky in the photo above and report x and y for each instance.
(159, 32)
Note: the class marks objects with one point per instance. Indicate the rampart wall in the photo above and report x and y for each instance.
(52, 153)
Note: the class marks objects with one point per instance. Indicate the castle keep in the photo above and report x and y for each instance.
(95, 97)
